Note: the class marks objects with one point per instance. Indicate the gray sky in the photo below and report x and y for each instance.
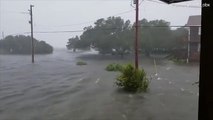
(71, 15)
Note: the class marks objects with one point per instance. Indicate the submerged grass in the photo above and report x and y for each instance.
(179, 61)
(81, 63)
(114, 67)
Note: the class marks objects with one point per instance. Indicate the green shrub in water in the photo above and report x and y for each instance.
(81, 63)
(179, 61)
(114, 67)
(132, 79)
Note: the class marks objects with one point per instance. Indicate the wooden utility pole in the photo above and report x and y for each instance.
(31, 23)
(188, 45)
(136, 2)
(2, 35)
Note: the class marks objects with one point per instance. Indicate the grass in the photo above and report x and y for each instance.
(179, 61)
(114, 67)
(81, 63)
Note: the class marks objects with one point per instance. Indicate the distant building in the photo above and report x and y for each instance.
(194, 23)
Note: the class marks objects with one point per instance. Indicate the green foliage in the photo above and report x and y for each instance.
(108, 36)
(180, 36)
(75, 43)
(154, 37)
(178, 61)
(72, 43)
(21, 44)
(132, 79)
(114, 67)
(81, 63)
(116, 36)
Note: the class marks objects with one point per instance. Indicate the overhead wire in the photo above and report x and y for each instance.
(95, 20)
(74, 31)
(132, 4)
(133, 1)
(36, 25)
(91, 21)
(175, 5)
(141, 2)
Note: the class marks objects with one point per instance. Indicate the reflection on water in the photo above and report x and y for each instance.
(55, 88)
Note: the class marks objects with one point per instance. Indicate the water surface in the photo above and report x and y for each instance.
(55, 88)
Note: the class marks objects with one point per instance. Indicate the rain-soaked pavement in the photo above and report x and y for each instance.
(55, 88)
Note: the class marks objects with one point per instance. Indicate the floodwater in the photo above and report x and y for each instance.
(55, 88)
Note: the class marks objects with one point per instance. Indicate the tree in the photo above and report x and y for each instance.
(108, 36)
(72, 43)
(156, 35)
(180, 36)
(21, 44)
(116, 36)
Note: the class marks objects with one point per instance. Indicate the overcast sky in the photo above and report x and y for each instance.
(71, 15)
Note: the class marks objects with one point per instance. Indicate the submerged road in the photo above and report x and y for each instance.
(55, 88)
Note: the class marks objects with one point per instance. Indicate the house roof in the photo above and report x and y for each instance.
(194, 20)
(174, 1)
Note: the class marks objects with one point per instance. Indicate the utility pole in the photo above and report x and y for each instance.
(31, 23)
(136, 2)
(188, 46)
(2, 35)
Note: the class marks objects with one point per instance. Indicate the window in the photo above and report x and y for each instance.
(198, 48)
(199, 31)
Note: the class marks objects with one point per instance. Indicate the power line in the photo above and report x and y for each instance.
(55, 31)
(171, 26)
(74, 31)
(141, 2)
(128, 11)
(186, 6)
(69, 31)
(123, 12)
(68, 24)
(91, 21)
(132, 4)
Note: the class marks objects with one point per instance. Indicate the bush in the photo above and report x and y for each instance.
(114, 67)
(21, 44)
(81, 63)
(132, 79)
(179, 61)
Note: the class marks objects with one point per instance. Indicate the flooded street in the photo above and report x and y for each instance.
(55, 88)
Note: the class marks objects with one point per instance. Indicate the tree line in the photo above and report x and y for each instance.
(116, 36)
(21, 44)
